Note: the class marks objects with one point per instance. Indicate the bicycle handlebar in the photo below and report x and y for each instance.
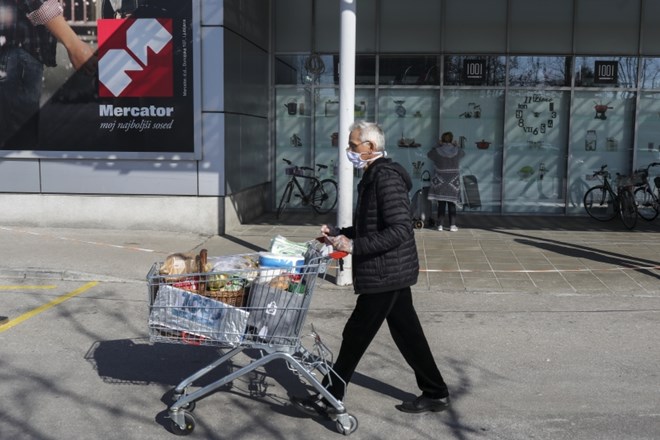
(602, 171)
(318, 165)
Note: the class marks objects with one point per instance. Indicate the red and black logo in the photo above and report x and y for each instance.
(135, 57)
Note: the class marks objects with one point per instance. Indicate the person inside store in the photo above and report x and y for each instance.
(445, 185)
(385, 266)
(29, 32)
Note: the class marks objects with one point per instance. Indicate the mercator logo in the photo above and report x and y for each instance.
(135, 57)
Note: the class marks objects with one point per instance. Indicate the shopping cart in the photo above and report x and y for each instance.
(268, 314)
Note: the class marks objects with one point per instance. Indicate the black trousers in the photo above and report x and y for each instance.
(370, 311)
(441, 211)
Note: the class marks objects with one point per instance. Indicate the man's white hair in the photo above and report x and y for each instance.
(370, 131)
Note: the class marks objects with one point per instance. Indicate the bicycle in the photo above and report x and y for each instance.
(603, 204)
(648, 201)
(321, 194)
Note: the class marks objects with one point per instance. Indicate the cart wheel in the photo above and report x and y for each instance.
(419, 224)
(351, 429)
(189, 421)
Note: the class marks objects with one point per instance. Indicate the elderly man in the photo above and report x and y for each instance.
(385, 265)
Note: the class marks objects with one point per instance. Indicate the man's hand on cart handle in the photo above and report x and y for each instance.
(342, 243)
(336, 254)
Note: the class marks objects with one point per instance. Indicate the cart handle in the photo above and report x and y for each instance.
(335, 255)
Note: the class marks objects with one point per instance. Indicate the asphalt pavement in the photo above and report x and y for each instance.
(543, 327)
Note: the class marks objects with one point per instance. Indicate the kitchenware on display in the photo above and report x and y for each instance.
(360, 109)
(611, 144)
(542, 170)
(525, 172)
(461, 141)
(405, 142)
(334, 139)
(417, 168)
(292, 107)
(601, 109)
(295, 140)
(482, 144)
(590, 141)
(331, 107)
(400, 110)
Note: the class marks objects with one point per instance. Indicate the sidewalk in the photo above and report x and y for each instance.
(544, 328)
(560, 255)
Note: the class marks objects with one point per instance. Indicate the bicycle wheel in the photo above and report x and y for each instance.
(628, 209)
(646, 207)
(286, 196)
(324, 196)
(600, 203)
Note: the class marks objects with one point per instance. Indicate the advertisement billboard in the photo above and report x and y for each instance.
(136, 98)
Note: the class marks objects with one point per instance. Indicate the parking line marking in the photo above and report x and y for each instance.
(43, 308)
(24, 287)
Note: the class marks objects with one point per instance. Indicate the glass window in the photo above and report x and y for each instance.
(601, 133)
(409, 70)
(648, 131)
(365, 70)
(293, 132)
(650, 73)
(409, 118)
(474, 70)
(476, 117)
(321, 69)
(539, 71)
(305, 69)
(597, 71)
(536, 129)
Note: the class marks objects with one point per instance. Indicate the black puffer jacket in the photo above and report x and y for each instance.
(384, 250)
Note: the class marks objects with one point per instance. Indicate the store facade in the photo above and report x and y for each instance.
(538, 94)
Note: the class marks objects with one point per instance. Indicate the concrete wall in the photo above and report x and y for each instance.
(164, 213)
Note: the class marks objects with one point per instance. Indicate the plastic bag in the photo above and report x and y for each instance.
(282, 246)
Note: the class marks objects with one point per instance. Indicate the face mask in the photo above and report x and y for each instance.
(358, 162)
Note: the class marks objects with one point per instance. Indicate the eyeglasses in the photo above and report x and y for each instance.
(352, 146)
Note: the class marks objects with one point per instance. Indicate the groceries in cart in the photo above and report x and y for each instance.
(225, 300)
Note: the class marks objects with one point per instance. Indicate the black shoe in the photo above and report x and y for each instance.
(424, 404)
(313, 406)
(3, 319)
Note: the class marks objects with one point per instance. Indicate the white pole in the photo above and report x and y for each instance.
(346, 116)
